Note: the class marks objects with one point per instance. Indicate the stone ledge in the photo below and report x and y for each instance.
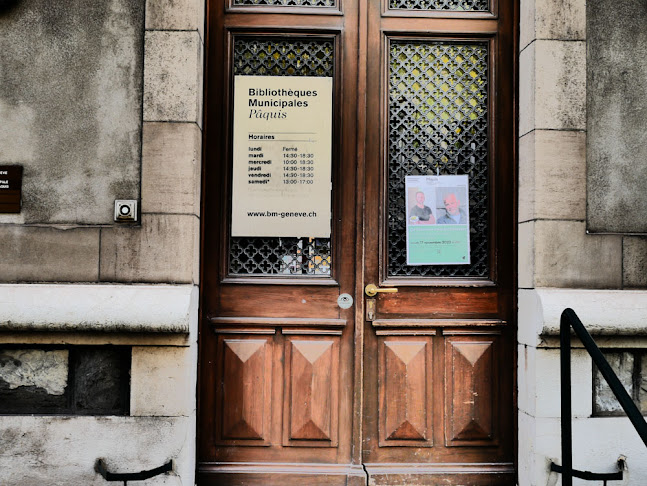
(98, 308)
(603, 312)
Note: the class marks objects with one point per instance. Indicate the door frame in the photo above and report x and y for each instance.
(212, 240)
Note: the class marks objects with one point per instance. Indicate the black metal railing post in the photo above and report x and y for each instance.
(566, 398)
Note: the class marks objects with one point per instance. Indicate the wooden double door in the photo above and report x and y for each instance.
(305, 377)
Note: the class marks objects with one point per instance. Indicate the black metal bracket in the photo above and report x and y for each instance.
(587, 475)
(100, 467)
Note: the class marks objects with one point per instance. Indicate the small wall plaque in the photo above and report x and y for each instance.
(10, 188)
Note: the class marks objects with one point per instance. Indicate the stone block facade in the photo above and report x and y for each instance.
(560, 263)
(76, 280)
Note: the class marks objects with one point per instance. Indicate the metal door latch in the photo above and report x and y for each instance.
(372, 290)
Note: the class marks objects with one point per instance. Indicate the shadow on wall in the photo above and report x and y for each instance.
(7, 5)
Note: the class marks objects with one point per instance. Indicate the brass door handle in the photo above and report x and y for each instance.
(372, 289)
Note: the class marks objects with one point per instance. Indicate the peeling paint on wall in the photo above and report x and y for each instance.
(33, 367)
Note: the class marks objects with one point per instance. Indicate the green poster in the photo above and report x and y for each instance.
(438, 226)
(432, 245)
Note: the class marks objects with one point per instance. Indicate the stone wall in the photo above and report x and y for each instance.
(71, 106)
(560, 264)
(75, 279)
(164, 248)
(617, 109)
(554, 249)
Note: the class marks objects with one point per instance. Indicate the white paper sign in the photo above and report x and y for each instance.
(282, 156)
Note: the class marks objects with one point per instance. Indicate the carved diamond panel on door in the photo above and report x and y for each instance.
(245, 389)
(405, 378)
(471, 376)
(312, 390)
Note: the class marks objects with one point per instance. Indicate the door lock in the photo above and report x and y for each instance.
(372, 290)
(370, 310)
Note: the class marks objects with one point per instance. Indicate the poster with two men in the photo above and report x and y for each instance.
(438, 228)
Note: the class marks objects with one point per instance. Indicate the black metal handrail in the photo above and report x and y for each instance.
(569, 319)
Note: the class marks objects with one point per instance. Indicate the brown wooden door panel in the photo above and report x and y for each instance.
(312, 391)
(472, 395)
(280, 301)
(439, 303)
(278, 394)
(245, 395)
(405, 390)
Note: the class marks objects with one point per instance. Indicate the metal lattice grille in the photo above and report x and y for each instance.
(283, 57)
(438, 124)
(456, 5)
(288, 3)
(268, 255)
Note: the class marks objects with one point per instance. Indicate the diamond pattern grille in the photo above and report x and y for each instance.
(288, 3)
(281, 57)
(456, 5)
(438, 124)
